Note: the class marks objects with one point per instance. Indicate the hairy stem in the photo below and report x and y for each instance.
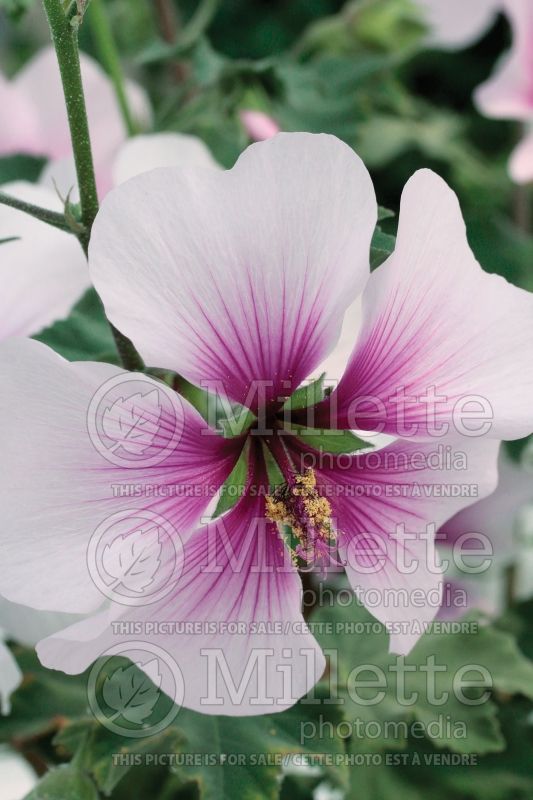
(53, 218)
(65, 39)
(64, 29)
(107, 48)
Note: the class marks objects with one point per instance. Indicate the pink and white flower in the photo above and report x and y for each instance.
(488, 536)
(136, 155)
(508, 94)
(44, 269)
(239, 281)
(454, 24)
(258, 125)
(34, 119)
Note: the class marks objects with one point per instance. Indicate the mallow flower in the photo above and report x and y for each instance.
(508, 93)
(454, 24)
(493, 539)
(137, 154)
(33, 119)
(239, 282)
(44, 270)
(258, 125)
(44, 274)
(40, 289)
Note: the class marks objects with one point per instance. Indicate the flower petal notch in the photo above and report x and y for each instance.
(242, 276)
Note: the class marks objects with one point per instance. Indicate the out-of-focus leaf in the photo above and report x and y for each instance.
(503, 668)
(44, 699)
(96, 746)
(21, 168)
(84, 335)
(66, 781)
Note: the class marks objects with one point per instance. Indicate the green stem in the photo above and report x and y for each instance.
(64, 31)
(199, 22)
(65, 39)
(107, 48)
(177, 45)
(51, 217)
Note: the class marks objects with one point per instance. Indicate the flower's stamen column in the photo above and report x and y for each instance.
(298, 504)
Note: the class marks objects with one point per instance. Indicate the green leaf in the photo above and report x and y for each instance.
(382, 246)
(230, 418)
(261, 742)
(275, 475)
(43, 696)
(21, 167)
(418, 772)
(130, 693)
(233, 487)
(255, 738)
(330, 441)
(308, 394)
(66, 781)
(94, 747)
(500, 667)
(84, 335)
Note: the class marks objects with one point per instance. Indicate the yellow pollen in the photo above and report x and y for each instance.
(299, 505)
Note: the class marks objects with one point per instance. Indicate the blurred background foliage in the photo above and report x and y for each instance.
(360, 71)
(363, 72)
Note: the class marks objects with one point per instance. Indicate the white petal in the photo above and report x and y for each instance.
(521, 163)
(455, 24)
(238, 276)
(143, 153)
(442, 342)
(44, 269)
(57, 488)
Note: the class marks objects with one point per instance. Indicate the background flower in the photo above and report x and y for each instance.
(454, 24)
(37, 123)
(45, 271)
(508, 94)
